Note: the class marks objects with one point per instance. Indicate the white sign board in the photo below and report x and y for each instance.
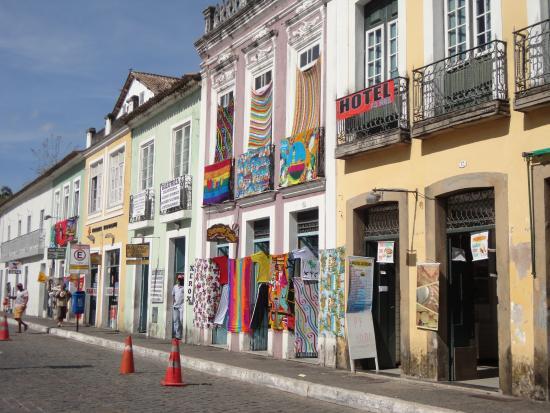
(138, 204)
(386, 250)
(360, 334)
(190, 285)
(79, 259)
(170, 194)
(479, 243)
(157, 286)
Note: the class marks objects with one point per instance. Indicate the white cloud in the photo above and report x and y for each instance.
(47, 127)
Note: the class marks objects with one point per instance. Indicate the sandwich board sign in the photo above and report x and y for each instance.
(79, 259)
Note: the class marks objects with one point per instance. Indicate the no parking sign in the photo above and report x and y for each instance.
(79, 262)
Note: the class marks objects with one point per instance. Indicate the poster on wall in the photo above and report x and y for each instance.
(139, 202)
(361, 281)
(157, 286)
(170, 194)
(479, 243)
(386, 251)
(427, 296)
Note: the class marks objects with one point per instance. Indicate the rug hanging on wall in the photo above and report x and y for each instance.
(331, 292)
(254, 172)
(224, 132)
(306, 332)
(217, 182)
(281, 316)
(240, 273)
(207, 293)
(261, 111)
(307, 103)
(300, 158)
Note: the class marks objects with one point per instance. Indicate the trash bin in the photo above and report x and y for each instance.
(78, 302)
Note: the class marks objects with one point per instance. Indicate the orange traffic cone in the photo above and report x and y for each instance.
(173, 372)
(4, 331)
(127, 365)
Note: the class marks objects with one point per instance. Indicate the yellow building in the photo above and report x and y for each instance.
(431, 159)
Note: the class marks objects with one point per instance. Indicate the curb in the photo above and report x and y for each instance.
(343, 397)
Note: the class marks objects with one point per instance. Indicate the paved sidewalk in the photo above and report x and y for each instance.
(368, 392)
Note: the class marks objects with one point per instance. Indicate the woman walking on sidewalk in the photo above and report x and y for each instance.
(21, 300)
(62, 299)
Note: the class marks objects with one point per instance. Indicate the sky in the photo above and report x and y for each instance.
(63, 63)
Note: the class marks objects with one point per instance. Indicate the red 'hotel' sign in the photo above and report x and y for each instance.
(365, 100)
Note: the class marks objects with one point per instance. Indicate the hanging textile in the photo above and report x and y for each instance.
(240, 273)
(224, 132)
(259, 306)
(307, 312)
(221, 263)
(263, 261)
(65, 232)
(331, 292)
(261, 117)
(309, 264)
(217, 182)
(207, 294)
(300, 158)
(254, 172)
(307, 106)
(222, 308)
(280, 313)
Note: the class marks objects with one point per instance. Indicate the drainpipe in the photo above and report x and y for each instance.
(529, 157)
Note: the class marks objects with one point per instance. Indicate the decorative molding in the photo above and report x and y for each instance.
(306, 27)
(305, 5)
(260, 55)
(222, 78)
(303, 31)
(264, 31)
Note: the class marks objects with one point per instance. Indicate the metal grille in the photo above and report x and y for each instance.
(532, 57)
(382, 220)
(308, 221)
(261, 229)
(471, 209)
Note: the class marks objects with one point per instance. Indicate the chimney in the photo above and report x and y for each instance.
(108, 123)
(208, 14)
(89, 137)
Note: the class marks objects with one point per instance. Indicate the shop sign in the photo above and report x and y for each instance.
(57, 253)
(190, 284)
(479, 243)
(139, 202)
(361, 281)
(111, 292)
(14, 267)
(92, 292)
(138, 261)
(79, 259)
(95, 259)
(137, 250)
(224, 233)
(157, 286)
(170, 194)
(386, 251)
(365, 100)
(427, 296)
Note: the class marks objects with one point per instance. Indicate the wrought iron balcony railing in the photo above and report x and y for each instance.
(142, 206)
(374, 113)
(176, 195)
(532, 57)
(28, 245)
(460, 82)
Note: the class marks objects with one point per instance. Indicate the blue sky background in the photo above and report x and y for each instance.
(63, 63)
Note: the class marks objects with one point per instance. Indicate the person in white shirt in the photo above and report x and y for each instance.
(21, 300)
(178, 293)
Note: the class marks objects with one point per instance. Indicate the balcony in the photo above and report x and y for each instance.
(373, 118)
(463, 89)
(532, 62)
(25, 246)
(142, 210)
(176, 199)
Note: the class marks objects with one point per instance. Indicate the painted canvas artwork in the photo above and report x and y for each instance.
(300, 158)
(332, 292)
(217, 182)
(307, 313)
(224, 132)
(254, 172)
(427, 296)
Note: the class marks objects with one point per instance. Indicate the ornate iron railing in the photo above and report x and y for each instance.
(142, 206)
(377, 120)
(382, 220)
(28, 245)
(532, 57)
(176, 195)
(460, 82)
(471, 209)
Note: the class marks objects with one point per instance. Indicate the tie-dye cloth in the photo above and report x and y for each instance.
(240, 273)
(207, 293)
(307, 312)
(332, 292)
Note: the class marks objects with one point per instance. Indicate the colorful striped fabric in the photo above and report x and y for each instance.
(240, 273)
(224, 132)
(307, 108)
(217, 182)
(261, 117)
(306, 331)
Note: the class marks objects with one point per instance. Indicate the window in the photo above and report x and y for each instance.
(393, 53)
(461, 16)
(76, 198)
(57, 205)
(146, 169)
(9, 232)
(261, 236)
(141, 98)
(375, 55)
(96, 178)
(222, 249)
(483, 21)
(262, 81)
(181, 137)
(226, 99)
(29, 222)
(308, 230)
(19, 228)
(116, 177)
(26, 279)
(309, 56)
(41, 227)
(66, 196)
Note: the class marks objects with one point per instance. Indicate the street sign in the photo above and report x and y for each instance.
(79, 259)
(137, 250)
(56, 253)
(14, 267)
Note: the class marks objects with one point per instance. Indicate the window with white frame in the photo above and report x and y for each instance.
(375, 55)
(41, 224)
(309, 56)
(66, 201)
(141, 98)
(467, 24)
(96, 180)
(9, 232)
(262, 80)
(181, 140)
(146, 167)
(57, 204)
(19, 228)
(226, 98)
(393, 49)
(116, 177)
(76, 198)
(29, 223)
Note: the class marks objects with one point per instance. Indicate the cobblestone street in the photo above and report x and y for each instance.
(41, 373)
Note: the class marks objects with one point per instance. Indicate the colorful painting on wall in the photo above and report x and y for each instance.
(207, 293)
(307, 106)
(224, 132)
(217, 182)
(307, 313)
(427, 296)
(240, 273)
(254, 172)
(332, 292)
(280, 314)
(300, 158)
(261, 110)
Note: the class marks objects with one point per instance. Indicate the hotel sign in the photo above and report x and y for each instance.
(364, 101)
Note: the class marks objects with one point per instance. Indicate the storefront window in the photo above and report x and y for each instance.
(112, 274)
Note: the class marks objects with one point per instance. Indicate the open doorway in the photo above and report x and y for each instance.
(259, 298)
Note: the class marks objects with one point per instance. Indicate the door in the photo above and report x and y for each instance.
(112, 274)
(143, 298)
(93, 295)
(258, 340)
(179, 268)
(219, 333)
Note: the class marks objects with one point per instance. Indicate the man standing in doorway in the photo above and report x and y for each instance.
(179, 306)
(62, 297)
(21, 300)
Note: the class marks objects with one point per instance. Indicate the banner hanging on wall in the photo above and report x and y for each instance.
(365, 100)
(427, 296)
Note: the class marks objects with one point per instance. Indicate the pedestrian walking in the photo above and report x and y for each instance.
(21, 299)
(62, 298)
(178, 307)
